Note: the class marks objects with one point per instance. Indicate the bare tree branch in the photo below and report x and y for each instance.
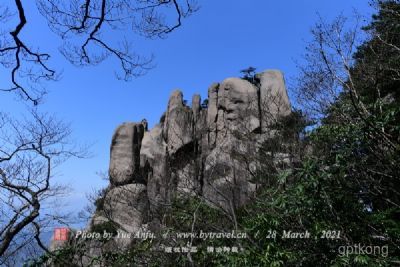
(29, 152)
(85, 27)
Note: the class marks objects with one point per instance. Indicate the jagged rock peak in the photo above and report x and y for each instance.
(195, 150)
(124, 153)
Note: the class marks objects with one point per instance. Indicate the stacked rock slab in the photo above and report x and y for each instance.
(199, 150)
(125, 153)
(126, 202)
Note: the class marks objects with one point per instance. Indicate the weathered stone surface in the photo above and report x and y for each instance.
(153, 161)
(212, 113)
(274, 100)
(196, 107)
(127, 206)
(187, 184)
(238, 99)
(202, 150)
(153, 146)
(178, 125)
(227, 178)
(125, 149)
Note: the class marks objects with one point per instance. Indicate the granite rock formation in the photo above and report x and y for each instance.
(198, 150)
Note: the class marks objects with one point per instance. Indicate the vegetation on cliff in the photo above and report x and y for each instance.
(343, 186)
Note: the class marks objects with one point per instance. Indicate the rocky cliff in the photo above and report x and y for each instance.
(203, 149)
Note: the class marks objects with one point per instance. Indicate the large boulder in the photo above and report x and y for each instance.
(178, 125)
(238, 101)
(196, 107)
(209, 151)
(228, 168)
(127, 206)
(274, 100)
(124, 154)
(212, 113)
(199, 150)
(153, 162)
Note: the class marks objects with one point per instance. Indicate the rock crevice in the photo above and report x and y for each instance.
(195, 151)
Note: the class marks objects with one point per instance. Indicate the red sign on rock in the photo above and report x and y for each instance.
(61, 233)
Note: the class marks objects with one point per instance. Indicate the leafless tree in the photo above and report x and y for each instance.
(333, 73)
(85, 28)
(238, 164)
(329, 71)
(329, 57)
(30, 149)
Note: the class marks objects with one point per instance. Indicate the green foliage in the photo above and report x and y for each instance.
(131, 257)
(347, 185)
(61, 257)
(248, 74)
(378, 59)
(205, 103)
(105, 227)
(99, 199)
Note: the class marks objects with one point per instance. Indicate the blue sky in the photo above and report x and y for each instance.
(223, 37)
